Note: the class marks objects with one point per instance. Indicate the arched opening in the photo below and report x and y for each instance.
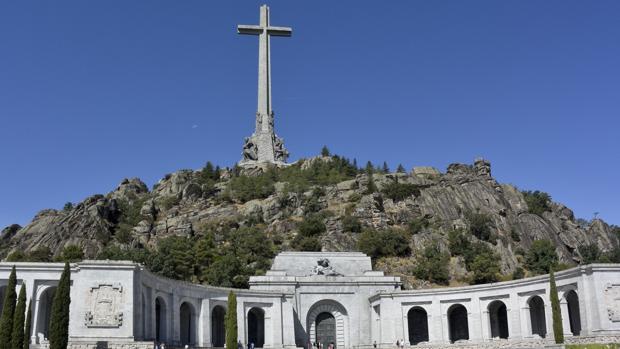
(187, 322)
(256, 327)
(161, 314)
(417, 320)
(537, 316)
(144, 319)
(218, 329)
(327, 322)
(457, 323)
(498, 319)
(45, 311)
(573, 312)
(326, 329)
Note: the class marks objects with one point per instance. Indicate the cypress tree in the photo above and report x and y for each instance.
(17, 338)
(59, 320)
(558, 331)
(28, 328)
(231, 322)
(8, 311)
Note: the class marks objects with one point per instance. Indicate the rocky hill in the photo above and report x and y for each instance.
(425, 206)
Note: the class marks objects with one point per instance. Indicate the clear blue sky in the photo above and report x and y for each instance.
(95, 91)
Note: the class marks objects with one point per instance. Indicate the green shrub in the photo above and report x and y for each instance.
(384, 243)
(514, 235)
(168, 202)
(485, 267)
(123, 233)
(518, 273)
(487, 264)
(355, 197)
(351, 224)
(246, 188)
(42, 254)
(401, 191)
(537, 201)
(418, 224)
(458, 243)
(589, 253)
(432, 265)
(305, 243)
(17, 256)
(479, 225)
(71, 253)
(541, 257)
(311, 226)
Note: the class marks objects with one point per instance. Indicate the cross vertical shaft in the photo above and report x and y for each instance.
(264, 146)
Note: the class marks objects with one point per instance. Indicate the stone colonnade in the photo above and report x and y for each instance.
(515, 311)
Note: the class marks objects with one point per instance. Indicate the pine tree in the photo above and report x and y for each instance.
(28, 327)
(17, 338)
(401, 169)
(231, 322)
(386, 168)
(8, 311)
(325, 151)
(558, 331)
(59, 320)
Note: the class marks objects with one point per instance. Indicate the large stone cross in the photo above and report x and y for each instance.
(264, 32)
(264, 146)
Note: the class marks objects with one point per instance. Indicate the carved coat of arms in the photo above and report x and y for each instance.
(612, 299)
(105, 303)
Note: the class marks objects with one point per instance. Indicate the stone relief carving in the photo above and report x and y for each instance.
(259, 122)
(105, 302)
(250, 150)
(612, 299)
(281, 154)
(323, 268)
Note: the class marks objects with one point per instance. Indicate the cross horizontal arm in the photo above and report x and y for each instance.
(250, 29)
(279, 31)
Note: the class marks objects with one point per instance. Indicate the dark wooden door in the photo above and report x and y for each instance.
(326, 329)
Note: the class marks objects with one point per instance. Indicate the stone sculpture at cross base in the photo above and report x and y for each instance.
(264, 147)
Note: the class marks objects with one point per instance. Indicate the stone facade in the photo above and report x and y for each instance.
(310, 296)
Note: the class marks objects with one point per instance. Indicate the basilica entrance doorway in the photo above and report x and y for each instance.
(328, 323)
(326, 329)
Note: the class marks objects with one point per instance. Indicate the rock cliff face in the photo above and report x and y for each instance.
(182, 203)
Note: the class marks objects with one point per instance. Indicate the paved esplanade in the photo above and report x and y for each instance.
(264, 145)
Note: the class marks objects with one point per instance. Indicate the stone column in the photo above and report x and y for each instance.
(548, 318)
(175, 333)
(445, 327)
(515, 329)
(486, 326)
(204, 329)
(36, 305)
(474, 323)
(526, 324)
(241, 321)
(436, 326)
(565, 317)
